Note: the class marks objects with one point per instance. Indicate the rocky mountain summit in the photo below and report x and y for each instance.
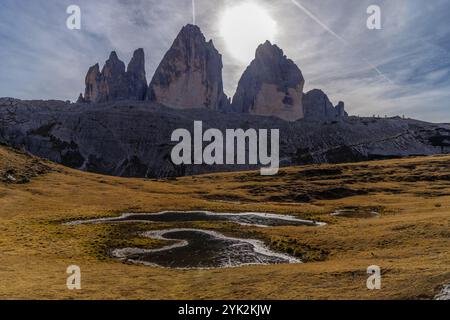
(190, 77)
(114, 83)
(271, 86)
(190, 74)
(137, 81)
(317, 106)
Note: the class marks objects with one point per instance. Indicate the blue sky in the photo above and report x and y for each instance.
(41, 59)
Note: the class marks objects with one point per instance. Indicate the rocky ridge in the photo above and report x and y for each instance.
(190, 77)
(132, 139)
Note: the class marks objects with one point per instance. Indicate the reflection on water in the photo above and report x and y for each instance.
(355, 213)
(444, 295)
(201, 249)
(249, 218)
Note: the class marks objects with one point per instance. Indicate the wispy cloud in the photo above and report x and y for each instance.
(402, 69)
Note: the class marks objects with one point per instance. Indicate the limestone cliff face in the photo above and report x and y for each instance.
(137, 144)
(136, 78)
(271, 86)
(340, 110)
(190, 77)
(93, 81)
(114, 83)
(317, 106)
(190, 74)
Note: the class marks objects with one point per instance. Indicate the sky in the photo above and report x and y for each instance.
(402, 69)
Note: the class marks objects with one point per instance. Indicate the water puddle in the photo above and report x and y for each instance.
(202, 249)
(355, 213)
(444, 295)
(249, 218)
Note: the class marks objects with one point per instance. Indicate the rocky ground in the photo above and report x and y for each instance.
(20, 168)
(132, 139)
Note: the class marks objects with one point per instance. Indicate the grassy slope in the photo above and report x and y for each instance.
(409, 241)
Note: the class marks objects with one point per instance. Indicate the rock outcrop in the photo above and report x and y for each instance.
(190, 74)
(271, 86)
(93, 82)
(136, 78)
(114, 83)
(138, 144)
(340, 109)
(114, 86)
(81, 99)
(190, 77)
(317, 106)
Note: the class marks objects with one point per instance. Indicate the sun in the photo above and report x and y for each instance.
(245, 26)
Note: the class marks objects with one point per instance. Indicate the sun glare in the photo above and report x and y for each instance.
(244, 27)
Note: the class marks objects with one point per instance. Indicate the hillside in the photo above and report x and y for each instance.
(133, 139)
(409, 238)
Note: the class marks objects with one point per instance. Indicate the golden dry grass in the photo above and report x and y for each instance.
(410, 240)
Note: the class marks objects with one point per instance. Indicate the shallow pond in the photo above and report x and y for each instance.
(355, 213)
(202, 249)
(444, 295)
(248, 218)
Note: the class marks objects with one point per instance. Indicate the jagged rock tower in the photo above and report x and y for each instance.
(113, 83)
(190, 74)
(271, 86)
(317, 106)
(136, 78)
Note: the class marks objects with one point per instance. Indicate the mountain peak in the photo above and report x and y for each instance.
(271, 86)
(137, 62)
(190, 74)
(191, 28)
(190, 33)
(317, 106)
(139, 53)
(94, 69)
(267, 49)
(114, 82)
(136, 77)
(113, 56)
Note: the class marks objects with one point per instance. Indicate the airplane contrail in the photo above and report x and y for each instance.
(317, 20)
(345, 42)
(193, 12)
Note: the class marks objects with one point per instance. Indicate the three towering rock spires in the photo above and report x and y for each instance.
(113, 83)
(190, 74)
(271, 86)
